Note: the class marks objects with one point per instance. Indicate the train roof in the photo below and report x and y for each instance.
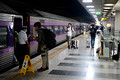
(6, 9)
(54, 16)
(12, 8)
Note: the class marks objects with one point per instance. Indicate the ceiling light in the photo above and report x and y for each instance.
(105, 10)
(109, 4)
(91, 9)
(92, 12)
(87, 0)
(95, 16)
(90, 6)
(107, 7)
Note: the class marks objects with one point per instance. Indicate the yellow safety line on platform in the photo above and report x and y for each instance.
(99, 53)
(58, 51)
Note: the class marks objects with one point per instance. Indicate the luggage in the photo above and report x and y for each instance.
(115, 57)
(98, 33)
(87, 43)
(74, 44)
(97, 50)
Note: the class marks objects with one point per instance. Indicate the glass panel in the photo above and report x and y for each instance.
(3, 30)
(49, 27)
(3, 37)
(56, 30)
(61, 30)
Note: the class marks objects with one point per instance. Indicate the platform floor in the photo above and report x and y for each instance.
(70, 64)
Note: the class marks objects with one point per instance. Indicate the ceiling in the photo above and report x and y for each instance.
(68, 8)
(98, 6)
(107, 11)
(103, 6)
(117, 6)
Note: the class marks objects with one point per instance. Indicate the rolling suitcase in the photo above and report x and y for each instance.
(87, 43)
(75, 44)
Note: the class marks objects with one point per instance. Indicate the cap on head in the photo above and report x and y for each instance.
(24, 27)
(38, 24)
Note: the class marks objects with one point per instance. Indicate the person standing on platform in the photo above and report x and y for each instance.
(23, 45)
(93, 35)
(69, 34)
(42, 49)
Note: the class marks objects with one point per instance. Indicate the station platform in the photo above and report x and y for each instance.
(70, 64)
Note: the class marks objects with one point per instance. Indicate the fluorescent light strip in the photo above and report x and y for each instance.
(105, 10)
(109, 4)
(107, 7)
(91, 9)
(92, 12)
(90, 6)
(87, 0)
(94, 16)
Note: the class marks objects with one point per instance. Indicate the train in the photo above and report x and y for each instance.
(9, 23)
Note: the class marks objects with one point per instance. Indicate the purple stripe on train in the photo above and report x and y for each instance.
(8, 50)
(35, 42)
(32, 23)
(5, 23)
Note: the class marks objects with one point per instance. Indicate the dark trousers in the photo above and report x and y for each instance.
(23, 50)
(92, 41)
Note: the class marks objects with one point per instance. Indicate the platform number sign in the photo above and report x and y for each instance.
(27, 64)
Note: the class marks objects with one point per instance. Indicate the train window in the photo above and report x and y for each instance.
(61, 30)
(3, 37)
(65, 27)
(49, 27)
(32, 29)
(42, 27)
(56, 30)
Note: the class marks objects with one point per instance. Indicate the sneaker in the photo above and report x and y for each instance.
(41, 69)
(68, 47)
(47, 68)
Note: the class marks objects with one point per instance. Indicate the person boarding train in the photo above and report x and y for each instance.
(23, 45)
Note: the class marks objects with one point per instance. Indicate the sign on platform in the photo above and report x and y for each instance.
(27, 65)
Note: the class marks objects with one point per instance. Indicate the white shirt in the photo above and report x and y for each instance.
(22, 37)
(69, 33)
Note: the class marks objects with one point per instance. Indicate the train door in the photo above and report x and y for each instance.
(17, 29)
(17, 24)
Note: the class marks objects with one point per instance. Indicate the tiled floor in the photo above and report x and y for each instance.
(77, 64)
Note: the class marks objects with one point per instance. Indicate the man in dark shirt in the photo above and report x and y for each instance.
(93, 35)
(42, 49)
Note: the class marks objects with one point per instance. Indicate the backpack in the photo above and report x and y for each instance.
(98, 32)
(92, 31)
(71, 28)
(50, 40)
